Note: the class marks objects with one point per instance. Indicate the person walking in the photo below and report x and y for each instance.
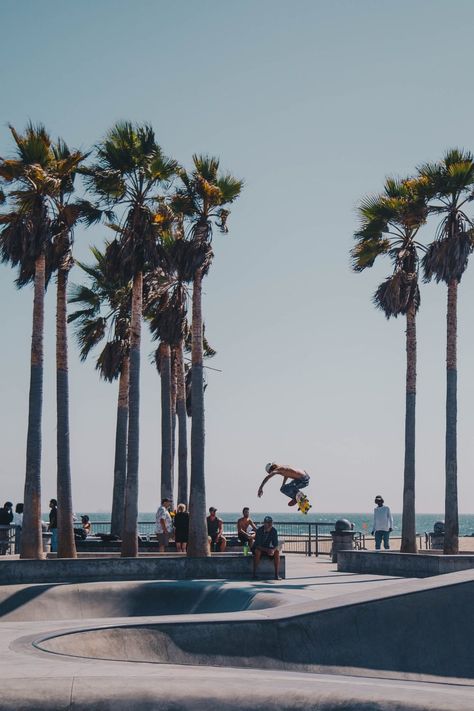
(383, 524)
(53, 525)
(181, 528)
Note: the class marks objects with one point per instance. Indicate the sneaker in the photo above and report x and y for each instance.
(292, 502)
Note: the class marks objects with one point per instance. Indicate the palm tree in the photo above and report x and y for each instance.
(105, 311)
(67, 214)
(24, 239)
(166, 310)
(451, 182)
(129, 168)
(389, 226)
(201, 197)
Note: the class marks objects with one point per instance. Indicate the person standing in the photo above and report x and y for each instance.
(181, 528)
(6, 518)
(53, 525)
(164, 524)
(18, 523)
(383, 524)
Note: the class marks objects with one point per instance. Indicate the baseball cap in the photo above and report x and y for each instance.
(269, 466)
(211, 508)
(268, 519)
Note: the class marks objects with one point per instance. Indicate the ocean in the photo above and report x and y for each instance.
(362, 521)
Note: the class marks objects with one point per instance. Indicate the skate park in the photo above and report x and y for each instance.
(321, 638)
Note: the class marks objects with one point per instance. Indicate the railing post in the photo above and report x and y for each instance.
(316, 544)
(309, 542)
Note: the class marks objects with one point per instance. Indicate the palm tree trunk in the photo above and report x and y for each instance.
(166, 444)
(451, 521)
(198, 539)
(182, 427)
(120, 464)
(130, 524)
(408, 543)
(173, 415)
(66, 543)
(31, 540)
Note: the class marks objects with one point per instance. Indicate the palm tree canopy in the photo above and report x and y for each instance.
(389, 224)
(203, 194)
(105, 307)
(129, 168)
(451, 183)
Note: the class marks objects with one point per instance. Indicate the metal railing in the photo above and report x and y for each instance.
(298, 536)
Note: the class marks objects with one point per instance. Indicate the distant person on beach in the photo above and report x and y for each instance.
(6, 518)
(181, 528)
(266, 543)
(246, 529)
(215, 531)
(164, 524)
(383, 524)
(299, 479)
(53, 524)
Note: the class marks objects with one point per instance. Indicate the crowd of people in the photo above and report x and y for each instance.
(261, 541)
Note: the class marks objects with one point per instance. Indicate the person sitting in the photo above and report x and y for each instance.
(266, 543)
(215, 528)
(86, 525)
(246, 529)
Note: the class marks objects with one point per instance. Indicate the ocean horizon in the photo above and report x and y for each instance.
(362, 521)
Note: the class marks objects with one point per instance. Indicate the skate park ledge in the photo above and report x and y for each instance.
(225, 566)
(409, 565)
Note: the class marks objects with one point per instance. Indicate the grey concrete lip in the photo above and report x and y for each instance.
(81, 682)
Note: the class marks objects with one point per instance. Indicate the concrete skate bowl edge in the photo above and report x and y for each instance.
(429, 632)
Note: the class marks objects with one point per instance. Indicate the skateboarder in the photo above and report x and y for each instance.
(299, 479)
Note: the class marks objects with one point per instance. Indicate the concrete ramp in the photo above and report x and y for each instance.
(130, 599)
(425, 632)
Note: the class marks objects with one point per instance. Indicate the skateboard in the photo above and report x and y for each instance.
(303, 502)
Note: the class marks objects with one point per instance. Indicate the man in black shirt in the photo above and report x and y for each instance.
(53, 524)
(266, 543)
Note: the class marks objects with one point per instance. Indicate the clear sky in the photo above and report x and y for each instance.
(312, 103)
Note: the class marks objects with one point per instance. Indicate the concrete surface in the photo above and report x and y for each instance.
(157, 567)
(411, 565)
(316, 607)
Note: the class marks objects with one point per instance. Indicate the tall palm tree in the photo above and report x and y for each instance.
(166, 310)
(451, 181)
(67, 214)
(389, 226)
(24, 239)
(130, 167)
(105, 312)
(200, 199)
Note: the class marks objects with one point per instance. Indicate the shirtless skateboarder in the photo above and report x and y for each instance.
(299, 479)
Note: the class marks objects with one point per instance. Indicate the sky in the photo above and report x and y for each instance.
(312, 104)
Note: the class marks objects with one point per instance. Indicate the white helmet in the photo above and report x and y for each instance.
(269, 466)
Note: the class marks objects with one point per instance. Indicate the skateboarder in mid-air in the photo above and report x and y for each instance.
(299, 479)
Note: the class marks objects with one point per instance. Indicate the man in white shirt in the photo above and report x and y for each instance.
(164, 524)
(383, 524)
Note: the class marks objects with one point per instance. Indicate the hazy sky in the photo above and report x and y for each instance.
(312, 103)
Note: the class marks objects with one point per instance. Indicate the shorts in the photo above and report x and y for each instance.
(163, 538)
